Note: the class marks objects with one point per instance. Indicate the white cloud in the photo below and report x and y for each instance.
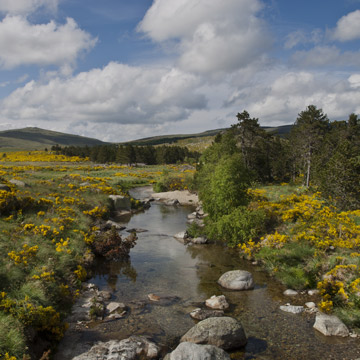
(301, 37)
(326, 55)
(22, 43)
(281, 95)
(217, 36)
(348, 27)
(115, 94)
(26, 6)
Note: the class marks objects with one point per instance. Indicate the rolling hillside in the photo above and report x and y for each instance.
(33, 138)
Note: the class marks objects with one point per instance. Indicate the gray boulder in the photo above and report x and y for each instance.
(133, 348)
(224, 332)
(4, 187)
(330, 325)
(237, 280)
(120, 203)
(191, 351)
(217, 302)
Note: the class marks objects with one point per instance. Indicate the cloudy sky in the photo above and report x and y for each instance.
(121, 69)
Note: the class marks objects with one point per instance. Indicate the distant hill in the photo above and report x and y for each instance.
(200, 140)
(33, 138)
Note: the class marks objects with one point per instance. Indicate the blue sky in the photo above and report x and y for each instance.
(121, 69)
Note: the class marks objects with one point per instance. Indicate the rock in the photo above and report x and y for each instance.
(292, 309)
(330, 325)
(4, 187)
(217, 302)
(115, 307)
(188, 350)
(86, 183)
(198, 222)
(199, 240)
(173, 202)
(116, 316)
(120, 202)
(192, 216)
(237, 280)
(153, 297)
(224, 332)
(137, 230)
(18, 183)
(105, 295)
(290, 292)
(127, 349)
(202, 314)
(109, 224)
(181, 235)
(310, 305)
(313, 292)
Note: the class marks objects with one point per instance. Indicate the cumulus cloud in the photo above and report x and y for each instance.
(280, 96)
(26, 6)
(326, 56)
(115, 94)
(216, 36)
(348, 27)
(23, 43)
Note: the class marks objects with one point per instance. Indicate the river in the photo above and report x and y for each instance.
(186, 276)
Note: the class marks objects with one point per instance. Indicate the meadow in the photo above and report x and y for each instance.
(50, 207)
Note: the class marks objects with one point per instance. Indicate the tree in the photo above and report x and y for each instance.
(306, 137)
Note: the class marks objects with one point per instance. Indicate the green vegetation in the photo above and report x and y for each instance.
(306, 233)
(49, 233)
(38, 139)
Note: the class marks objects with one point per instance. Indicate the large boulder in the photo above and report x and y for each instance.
(135, 347)
(120, 203)
(237, 280)
(188, 350)
(330, 325)
(224, 332)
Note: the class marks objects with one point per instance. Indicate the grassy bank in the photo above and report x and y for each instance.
(311, 244)
(48, 222)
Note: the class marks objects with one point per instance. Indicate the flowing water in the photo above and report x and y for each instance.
(184, 277)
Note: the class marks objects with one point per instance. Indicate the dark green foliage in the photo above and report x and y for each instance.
(306, 137)
(129, 154)
(238, 226)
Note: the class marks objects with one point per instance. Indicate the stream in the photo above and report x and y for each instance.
(186, 276)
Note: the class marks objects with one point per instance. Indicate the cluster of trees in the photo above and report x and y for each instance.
(129, 154)
(326, 154)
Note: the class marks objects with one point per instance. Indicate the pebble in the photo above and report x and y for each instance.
(290, 292)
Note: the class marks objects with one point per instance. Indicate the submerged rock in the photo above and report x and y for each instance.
(199, 240)
(237, 280)
(224, 332)
(292, 309)
(290, 292)
(217, 302)
(188, 350)
(330, 325)
(135, 347)
(202, 314)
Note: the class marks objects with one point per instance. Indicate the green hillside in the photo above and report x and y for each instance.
(33, 138)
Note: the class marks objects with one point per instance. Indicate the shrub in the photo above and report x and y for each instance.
(237, 227)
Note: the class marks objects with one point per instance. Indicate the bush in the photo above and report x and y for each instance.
(238, 227)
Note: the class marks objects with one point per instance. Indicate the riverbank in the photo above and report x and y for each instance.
(187, 276)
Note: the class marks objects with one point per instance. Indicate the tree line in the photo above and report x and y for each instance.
(325, 154)
(129, 154)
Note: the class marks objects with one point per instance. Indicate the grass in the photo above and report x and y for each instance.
(46, 232)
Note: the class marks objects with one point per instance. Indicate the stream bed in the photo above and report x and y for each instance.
(186, 276)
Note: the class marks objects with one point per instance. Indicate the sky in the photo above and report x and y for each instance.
(118, 70)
